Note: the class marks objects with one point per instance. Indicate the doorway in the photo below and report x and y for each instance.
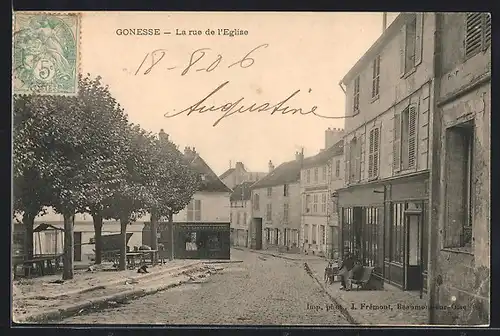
(77, 246)
(413, 253)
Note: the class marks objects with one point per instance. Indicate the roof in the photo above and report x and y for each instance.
(211, 182)
(374, 50)
(226, 173)
(241, 192)
(324, 156)
(287, 172)
(45, 227)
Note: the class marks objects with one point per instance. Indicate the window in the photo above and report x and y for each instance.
(315, 203)
(322, 239)
(347, 230)
(353, 161)
(306, 233)
(478, 33)
(411, 43)
(285, 190)
(194, 211)
(373, 153)
(244, 218)
(308, 176)
(323, 203)
(376, 77)
(268, 235)
(314, 233)
(231, 217)
(324, 174)
(269, 192)
(285, 213)
(397, 232)
(411, 35)
(405, 139)
(371, 237)
(316, 175)
(238, 218)
(459, 192)
(337, 168)
(269, 212)
(256, 201)
(356, 96)
(308, 203)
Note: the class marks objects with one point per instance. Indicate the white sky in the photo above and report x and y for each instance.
(306, 51)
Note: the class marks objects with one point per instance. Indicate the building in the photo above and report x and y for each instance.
(211, 202)
(319, 220)
(384, 204)
(241, 212)
(460, 231)
(276, 207)
(235, 176)
(50, 242)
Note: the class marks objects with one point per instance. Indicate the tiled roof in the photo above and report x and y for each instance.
(323, 157)
(241, 192)
(226, 173)
(211, 181)
(287, 172)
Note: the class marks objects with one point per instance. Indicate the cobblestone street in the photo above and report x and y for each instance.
(260, 290)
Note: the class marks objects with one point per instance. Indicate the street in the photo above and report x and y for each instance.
(260, 290)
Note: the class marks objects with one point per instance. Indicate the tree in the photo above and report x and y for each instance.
(173, 185)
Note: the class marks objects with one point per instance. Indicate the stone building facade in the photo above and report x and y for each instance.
(460, 236)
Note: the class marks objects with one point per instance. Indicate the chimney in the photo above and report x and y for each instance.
(239, 166)
(299, 156)
(163, 136)
(271, 166)
(384, 21)
(332, 136)
(187, 151)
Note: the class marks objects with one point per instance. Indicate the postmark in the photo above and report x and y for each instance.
(46, 53)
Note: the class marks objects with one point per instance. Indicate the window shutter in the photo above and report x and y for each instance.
(370, 154)
(347, 162)
(197, 210)
(376, 148)
(419, 38)
(396, 157)
(412, 135)
(359, 146)
(487, 30)
(473, 34)
(402, 47)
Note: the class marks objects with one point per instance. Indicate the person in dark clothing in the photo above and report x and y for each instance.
(345, 268)
(355, 273)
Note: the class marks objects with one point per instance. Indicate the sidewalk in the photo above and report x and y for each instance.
(388, 307)
(30, 297)
(276, 254)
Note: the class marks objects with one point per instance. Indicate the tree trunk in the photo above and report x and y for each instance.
(69, 219)
(171, 234)
(97, 219)
(28, 223)
(153, 232)
(123, 248)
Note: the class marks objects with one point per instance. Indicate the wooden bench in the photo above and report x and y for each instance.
(364, 279)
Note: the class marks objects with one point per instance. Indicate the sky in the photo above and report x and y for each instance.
(310, 52)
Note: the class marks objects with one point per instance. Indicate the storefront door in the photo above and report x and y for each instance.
(413, 253)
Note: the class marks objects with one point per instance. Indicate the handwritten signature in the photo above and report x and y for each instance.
(152, 59)
(230, 108)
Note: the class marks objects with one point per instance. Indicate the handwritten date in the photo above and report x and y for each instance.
(196, 61)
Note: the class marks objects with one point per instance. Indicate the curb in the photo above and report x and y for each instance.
(343, 305)
(178, 269)
(71, 309)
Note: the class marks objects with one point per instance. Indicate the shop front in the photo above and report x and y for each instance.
(385, 225)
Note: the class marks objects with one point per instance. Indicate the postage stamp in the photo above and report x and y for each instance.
(46, 53)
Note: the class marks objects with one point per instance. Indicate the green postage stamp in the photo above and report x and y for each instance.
(46, 53)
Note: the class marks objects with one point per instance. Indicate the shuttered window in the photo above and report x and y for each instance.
(373, 153)
(478, 33)
(356, 96)
(411, 43)
(405, 139)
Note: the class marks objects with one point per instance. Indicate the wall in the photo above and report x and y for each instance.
(395, 94)
(215, 207)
